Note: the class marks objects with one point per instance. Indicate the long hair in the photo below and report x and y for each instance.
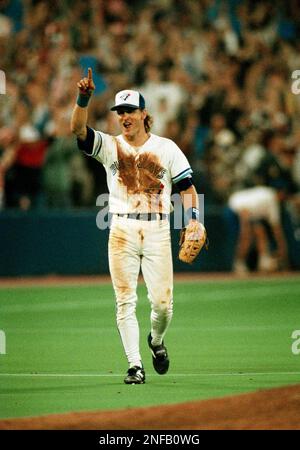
(148, 122)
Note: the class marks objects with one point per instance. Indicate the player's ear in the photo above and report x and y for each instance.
(144, 113)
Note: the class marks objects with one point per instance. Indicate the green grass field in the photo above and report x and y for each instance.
(63, 351)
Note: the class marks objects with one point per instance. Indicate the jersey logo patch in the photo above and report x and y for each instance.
(140, 173)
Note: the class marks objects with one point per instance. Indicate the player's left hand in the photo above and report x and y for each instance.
(192, 239)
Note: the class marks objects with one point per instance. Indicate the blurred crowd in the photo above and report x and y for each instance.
(216, 75)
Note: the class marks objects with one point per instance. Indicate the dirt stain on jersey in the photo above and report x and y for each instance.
(139, 174)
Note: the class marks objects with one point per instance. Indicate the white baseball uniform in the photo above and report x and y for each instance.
(140, 181)
(260, 202)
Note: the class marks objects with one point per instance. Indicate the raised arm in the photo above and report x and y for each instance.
(79, 117)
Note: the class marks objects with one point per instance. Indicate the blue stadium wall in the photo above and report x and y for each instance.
(65, 243)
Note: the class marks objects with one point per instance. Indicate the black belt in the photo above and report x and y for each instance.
(145, 216)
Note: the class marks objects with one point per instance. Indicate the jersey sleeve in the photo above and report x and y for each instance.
(179, 167)
(97, 144)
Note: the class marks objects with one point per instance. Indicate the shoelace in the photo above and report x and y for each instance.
(136, 372)
(160, 352)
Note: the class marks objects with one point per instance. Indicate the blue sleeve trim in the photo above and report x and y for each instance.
(184, 184)
(182, 174)
(87, 146)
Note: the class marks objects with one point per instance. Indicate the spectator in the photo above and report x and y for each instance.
(217, 74)
(7, 157)
(67, 182)
(24, 187)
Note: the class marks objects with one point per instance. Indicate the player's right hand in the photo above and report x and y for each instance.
(86, 85)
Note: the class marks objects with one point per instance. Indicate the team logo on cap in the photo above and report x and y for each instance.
(125, 96)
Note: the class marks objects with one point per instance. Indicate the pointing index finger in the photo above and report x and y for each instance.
(90, 73)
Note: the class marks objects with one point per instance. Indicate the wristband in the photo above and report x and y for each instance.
(193, 213)
(82, 100)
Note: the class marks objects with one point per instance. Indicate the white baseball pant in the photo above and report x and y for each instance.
(146, 245)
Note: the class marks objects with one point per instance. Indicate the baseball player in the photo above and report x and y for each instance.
(141, 168)
(254, 206)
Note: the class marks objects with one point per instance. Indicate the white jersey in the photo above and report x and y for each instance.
(140, 179)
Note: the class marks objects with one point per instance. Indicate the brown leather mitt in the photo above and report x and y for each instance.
(192, 239)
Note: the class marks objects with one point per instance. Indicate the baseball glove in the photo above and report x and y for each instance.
(192, 239)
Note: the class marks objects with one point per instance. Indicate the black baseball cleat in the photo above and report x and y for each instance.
(135, 375)
(160, 357)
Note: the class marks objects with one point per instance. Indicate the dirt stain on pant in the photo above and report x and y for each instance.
(117, 244)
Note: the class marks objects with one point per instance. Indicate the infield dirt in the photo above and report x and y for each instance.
(269, 409)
